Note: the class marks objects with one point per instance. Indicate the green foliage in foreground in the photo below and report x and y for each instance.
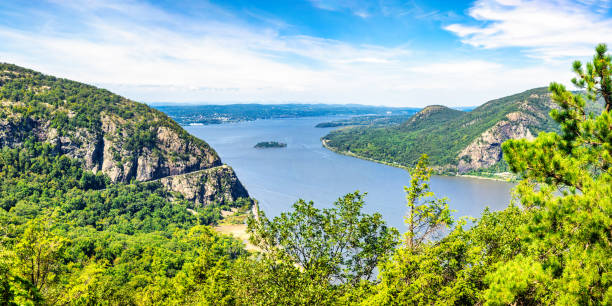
(69, 236)
(313, 256)
(426, 214)
(555, 249)
(42, 262)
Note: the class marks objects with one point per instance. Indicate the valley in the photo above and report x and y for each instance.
(123, 205)
(306, 170)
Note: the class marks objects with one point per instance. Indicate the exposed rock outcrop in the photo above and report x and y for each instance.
(109, 151)
(218, 184)
(486, 151)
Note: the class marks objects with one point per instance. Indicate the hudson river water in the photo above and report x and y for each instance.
(277, 177)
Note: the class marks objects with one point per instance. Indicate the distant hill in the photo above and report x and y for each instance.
(369, 120)
(123, 139)
(456, 141)
(432, 115)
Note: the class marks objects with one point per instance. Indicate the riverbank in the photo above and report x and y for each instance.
(502, 177)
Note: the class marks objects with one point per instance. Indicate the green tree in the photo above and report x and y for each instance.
(422, 267)
(426, 214)
(39, 254)
(596, 77)
(567, 189)
(274, 279)
(322, 248)
(82, 287)
(14, 289)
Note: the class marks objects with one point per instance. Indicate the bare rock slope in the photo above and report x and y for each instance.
(485, 151)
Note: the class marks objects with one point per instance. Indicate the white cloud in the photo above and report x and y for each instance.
(358, 8)
(547, 29)
(148, 54)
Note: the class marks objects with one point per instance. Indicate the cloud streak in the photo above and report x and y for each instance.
(547, 29)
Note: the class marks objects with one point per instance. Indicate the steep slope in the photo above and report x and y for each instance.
(123, 139)
(455, 141)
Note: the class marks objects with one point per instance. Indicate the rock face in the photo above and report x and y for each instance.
(169, 154)
(218, 184)
(125, 140)
(486, 151)
(111, 152)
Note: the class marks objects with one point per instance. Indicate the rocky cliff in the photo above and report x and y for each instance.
(217, 184)
(125, 140)
(485, 151)
(529, 117)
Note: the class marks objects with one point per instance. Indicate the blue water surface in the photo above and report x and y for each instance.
(277, 177)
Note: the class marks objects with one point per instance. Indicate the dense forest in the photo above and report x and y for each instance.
(36, 96)
(71, 236)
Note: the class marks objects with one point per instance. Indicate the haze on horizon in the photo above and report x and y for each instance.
(393, 53)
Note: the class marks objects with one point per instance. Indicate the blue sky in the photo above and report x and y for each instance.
(381, 52)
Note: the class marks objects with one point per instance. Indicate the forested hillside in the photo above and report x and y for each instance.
(103, 198)
(123, 139)
(455, 141)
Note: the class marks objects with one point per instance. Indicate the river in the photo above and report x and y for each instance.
(277, 177)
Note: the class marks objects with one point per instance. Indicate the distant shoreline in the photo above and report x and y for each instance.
(231, 121)
(351, 154)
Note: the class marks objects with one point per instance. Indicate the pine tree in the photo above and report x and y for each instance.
(567, 189)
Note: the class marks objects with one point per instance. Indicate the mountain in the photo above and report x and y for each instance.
(123, 139)
(430, 116)
(456, 141)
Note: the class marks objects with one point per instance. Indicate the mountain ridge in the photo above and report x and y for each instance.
(123, 139)
(457, 142)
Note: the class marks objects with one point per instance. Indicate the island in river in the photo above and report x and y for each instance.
(270, 144)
